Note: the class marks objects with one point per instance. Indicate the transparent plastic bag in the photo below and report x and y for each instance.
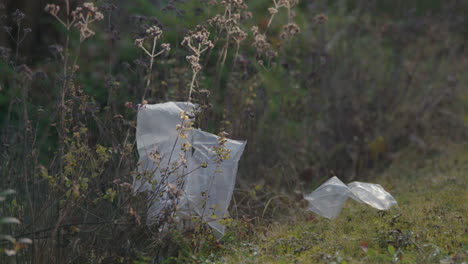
(206, 186)
(328, 199)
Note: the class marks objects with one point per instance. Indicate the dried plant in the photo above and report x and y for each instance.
(230, 24)
(261, 44)
(289, 30)
(21, 33)
(288, 4)
(197, 42)
(81, 18)
(152, 34)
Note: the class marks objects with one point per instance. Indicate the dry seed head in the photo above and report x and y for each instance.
(320, 19)
(139, 42)
(85, 31)
(129, 105)
(186, 146)
(247, 15)
(290, 30)
(154, 31)
(83, 17)
(194, 62)
(287, 3)
(52, 9)
(260, 42)
(166, 46)
(238, 34)
(99, 16)
(200, 36)
(218, 20)
(17, 16)
(237, 4)
(90, 6)
(75, 13)
(254, 30)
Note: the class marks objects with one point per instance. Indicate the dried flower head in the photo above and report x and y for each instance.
(320, 19)
(221, 151)
(17, 16)
(260, 42)
(235, 5)
(287, 3)
(198, 37)
(154, 31)
(198, 42)
(90, 6)
(272, 10)
(155, 157)
(84, 16)
(166, 47)
(194, 63)
(139, 42)
(290, 30)
(186, 146)
(238, 34)
(52, 9)
(247, 15)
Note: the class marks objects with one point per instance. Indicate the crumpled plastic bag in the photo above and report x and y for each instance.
(206, 186)
(328, 199)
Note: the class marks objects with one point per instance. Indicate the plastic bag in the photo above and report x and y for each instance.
(328, 199)
(206, 186)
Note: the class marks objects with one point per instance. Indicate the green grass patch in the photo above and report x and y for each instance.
(428, 226)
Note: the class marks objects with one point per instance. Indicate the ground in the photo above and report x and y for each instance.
(428, 226)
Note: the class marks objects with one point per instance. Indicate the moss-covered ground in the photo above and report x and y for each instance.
(428, 226)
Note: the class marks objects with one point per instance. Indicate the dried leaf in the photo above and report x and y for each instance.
(364, 246)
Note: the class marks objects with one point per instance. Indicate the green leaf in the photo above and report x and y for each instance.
(391, 250)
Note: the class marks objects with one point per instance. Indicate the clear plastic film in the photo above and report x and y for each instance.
(205, 186)
(328, 199)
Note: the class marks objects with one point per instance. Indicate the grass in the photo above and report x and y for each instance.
(428, 226)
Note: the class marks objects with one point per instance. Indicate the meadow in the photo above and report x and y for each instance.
(375, 91)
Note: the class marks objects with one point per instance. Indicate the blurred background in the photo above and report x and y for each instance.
(362, 81)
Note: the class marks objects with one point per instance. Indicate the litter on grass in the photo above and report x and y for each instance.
(183, 174)
(328, 199)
